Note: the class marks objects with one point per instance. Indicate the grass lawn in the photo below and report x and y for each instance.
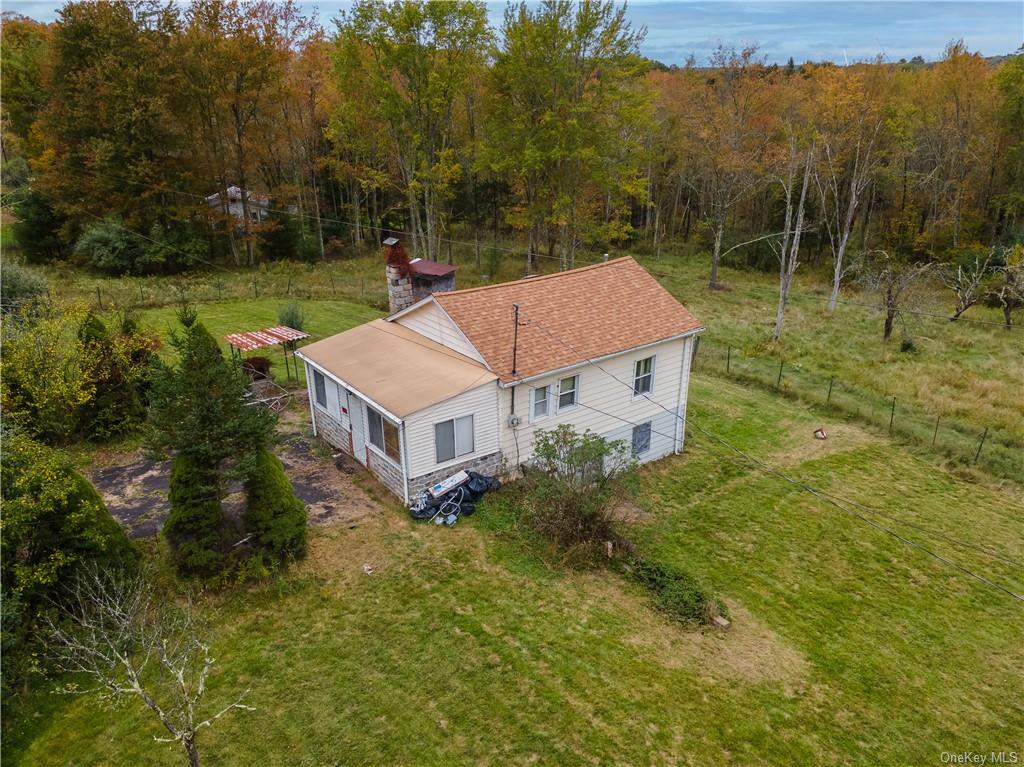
(964, 372)
(465, 647)
(323, 318)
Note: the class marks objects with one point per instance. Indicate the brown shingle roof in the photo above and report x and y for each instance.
(568, 317)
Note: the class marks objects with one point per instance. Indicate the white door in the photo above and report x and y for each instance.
(357, 417)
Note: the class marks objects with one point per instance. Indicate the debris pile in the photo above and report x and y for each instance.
(444, 502)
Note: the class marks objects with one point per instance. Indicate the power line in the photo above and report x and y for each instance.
(825, 497)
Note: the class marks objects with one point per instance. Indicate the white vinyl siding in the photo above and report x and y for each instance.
(430, 320)
(607, 406)
(481, 403)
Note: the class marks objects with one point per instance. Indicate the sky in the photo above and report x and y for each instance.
(835, 30)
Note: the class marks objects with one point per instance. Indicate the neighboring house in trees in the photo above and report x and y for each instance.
(452, 381)
(231, 203)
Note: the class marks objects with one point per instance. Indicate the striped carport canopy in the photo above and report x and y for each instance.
(257, 339)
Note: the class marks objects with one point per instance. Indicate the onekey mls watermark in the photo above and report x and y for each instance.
(980, 757)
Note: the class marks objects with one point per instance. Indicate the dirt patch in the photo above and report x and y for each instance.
(628, 512)
(334, 488)
(804, 446)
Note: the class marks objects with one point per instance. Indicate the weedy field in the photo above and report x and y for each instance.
(470, 646)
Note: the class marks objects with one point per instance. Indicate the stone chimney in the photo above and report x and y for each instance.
(398, 275)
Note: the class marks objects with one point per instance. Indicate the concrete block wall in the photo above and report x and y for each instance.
(491, 465)
(331, 431)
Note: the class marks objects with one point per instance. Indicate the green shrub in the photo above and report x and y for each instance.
(273, 515)
(118, 369)
(571, 492)
(292, 316)
(54, 523)
(19, 286)
(111, 248)
(675, 592)
(195, 526)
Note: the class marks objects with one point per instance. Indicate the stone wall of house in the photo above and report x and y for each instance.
(388, 473)
(491, 465)
(331, 431)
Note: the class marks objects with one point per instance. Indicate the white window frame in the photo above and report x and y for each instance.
(320, 377)
(654, 363)
(381, 450)
(576, 394)
(533, 403)
(455, 438)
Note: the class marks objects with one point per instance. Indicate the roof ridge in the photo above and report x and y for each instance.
(538, 278)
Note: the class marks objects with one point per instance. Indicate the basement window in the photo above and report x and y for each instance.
(641, 438)
(643, 376)
(453, 438)
(383, 434)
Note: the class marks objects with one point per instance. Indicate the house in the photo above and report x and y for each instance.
(462, 379)
(259, 204)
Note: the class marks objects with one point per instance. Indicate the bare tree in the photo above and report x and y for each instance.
(967, 282)
(114, 629)
(893, 280)
(1010, 294)
(787, 251)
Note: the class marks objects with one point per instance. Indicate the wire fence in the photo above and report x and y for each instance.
(998, 452)
(301, 283)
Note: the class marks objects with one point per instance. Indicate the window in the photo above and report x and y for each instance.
(643, 376)
(320, 388)
(453, 438)
(568, 391)
(540, 402)
(383, 434)
(641, 438)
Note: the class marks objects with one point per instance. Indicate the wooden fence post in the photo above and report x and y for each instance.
(99, 298)
(778, 381)
(728, 359)
(828, 398)
(981, 444)
(936, 432)
(892, 414)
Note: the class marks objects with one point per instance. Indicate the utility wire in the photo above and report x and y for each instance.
(822, 496)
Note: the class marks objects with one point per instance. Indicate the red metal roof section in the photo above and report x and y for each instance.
(430, 268)
(258, 339)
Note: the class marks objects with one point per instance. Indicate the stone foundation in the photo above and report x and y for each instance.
(491, 465)
(389, 474)
(331, 431)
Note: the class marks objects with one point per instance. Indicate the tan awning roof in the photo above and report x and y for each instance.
(395, 367)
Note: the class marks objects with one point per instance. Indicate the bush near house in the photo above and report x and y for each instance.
(572, 490)
(273, 515)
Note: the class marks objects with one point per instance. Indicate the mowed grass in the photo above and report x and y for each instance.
(464, 647)
(322, 319)
(961, 371)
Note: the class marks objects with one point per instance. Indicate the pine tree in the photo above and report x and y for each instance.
(273, 515)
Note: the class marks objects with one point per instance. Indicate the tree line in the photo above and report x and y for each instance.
(126, 126)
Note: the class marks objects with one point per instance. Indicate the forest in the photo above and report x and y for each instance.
(128, 128)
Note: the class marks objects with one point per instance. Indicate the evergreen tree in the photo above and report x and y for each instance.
(275, 517)
(194, 528)
(115, 407)
(198, 411)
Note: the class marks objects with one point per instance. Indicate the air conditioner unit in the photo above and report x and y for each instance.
(514, 421)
